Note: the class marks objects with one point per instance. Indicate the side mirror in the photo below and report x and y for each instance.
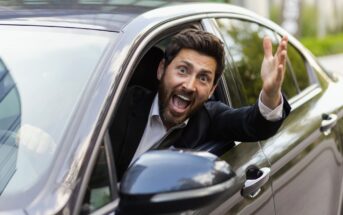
(167, 181)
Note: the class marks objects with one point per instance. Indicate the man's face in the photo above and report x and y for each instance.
(185, 84)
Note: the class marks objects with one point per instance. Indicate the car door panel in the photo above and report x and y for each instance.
(308, 173)
(240, 158)
(306, 164)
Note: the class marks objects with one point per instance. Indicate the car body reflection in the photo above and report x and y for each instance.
(10, 120)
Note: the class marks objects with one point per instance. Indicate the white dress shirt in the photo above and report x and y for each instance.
(155, 130)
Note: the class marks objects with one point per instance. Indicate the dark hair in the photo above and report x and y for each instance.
(200, 41)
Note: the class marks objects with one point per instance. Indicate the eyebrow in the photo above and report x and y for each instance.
(191, 65)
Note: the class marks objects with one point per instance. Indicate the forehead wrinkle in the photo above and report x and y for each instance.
(188, 63)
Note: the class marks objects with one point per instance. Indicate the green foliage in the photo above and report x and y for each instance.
(308, 21)
(298, 68)
(275, 13)
(332, 44)
(245, 45)
(246, 48)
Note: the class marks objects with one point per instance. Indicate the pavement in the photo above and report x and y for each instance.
(332, 63)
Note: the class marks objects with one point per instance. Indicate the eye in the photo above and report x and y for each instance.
(204, 78)
(182, 69)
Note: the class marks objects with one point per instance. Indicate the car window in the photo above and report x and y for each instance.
(298, 67)
(99, 191)
(51, 68)
(144, 79)
(244, 40)
(245, 44)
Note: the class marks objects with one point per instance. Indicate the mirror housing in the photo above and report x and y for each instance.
(167, 181)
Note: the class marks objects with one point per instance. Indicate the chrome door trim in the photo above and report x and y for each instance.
(304, 96)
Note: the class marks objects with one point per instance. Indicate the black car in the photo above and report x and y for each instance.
(65, 66)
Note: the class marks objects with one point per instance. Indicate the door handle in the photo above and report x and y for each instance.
(328, 122)
(256, 178)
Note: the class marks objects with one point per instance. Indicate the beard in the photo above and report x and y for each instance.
(165, 95)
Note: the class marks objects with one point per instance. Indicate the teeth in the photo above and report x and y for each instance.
(184, 97)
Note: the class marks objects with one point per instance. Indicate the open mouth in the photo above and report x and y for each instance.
(180, 103)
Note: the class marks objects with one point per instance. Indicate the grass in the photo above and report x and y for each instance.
(331, 44)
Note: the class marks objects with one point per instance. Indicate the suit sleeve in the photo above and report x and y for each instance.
(244, 124)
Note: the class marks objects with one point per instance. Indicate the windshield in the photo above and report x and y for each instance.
(43, 72)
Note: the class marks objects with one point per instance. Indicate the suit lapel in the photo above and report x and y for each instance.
(136, 125)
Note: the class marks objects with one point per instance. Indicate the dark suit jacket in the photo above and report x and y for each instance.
(214, 121)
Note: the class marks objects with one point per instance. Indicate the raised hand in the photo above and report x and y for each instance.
(273, 72)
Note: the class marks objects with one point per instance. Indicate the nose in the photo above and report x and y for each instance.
(190, 84)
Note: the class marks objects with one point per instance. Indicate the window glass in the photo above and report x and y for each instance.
(290, 87)
(43, 74)
(298, 67)
(244, 40)
(232, 85)
(245, 43)
(98, 192)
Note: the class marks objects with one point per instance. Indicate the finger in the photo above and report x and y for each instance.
(282, 57)
(267, 47)
(283, 45)
(280, 74)
(285, 38)
(281, 69)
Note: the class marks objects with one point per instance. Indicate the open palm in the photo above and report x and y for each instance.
(273, 71)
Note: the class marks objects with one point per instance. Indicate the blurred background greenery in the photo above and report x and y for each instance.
(319, 24)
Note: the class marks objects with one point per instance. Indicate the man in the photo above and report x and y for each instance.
(181, 114)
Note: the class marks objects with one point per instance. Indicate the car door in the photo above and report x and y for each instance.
(305, 156)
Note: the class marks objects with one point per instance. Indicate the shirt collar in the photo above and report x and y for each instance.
(154, 108)
(155, 112)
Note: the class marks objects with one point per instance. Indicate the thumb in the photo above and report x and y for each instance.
(267, 47)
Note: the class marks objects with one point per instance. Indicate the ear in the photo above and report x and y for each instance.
(160, 70)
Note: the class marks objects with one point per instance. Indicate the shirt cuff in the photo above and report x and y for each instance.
(269, 114)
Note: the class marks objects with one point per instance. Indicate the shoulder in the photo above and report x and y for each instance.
(135, 99)
(135, 94)
(138, 91)
(210, 110)
(213, 107)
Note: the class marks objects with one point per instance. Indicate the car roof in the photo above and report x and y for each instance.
(91, 14)
(103, 15)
